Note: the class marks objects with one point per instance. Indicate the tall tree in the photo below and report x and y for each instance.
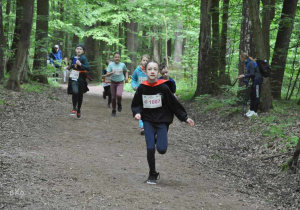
(204, 57)
(23, 45)
(178, 45)
(2, 44)
(41, 41)
(19, 16)
(246, 37)
(261, 52)
(282, 45)
(223, 77)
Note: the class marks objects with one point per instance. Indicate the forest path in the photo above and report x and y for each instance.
(99, 162)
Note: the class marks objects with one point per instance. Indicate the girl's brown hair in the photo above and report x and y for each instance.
(151, 62)
(145, 56)
(245, 56)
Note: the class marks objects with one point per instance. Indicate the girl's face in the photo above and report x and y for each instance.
(165, 73)
(152, 72)
(117, 58)
(79, 51)
(144, 61)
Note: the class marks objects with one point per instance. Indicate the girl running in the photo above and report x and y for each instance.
(77, 79)
(106, 85)
(116, 70)
(137, 78)
(155, 104)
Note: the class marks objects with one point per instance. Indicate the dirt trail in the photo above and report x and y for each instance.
(99, 162)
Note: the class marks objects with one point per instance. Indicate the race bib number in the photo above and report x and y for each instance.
(118, 71)
(152, 101)
(142, 79)
(74, 74)
(107, 79)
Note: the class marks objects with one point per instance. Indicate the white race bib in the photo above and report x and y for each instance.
(152, 101)
(74, 74)
(107, 79)
(142, 79)
(118, 71)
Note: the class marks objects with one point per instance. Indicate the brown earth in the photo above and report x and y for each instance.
(51, 160)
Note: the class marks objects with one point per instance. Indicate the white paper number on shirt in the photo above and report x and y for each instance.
(107, 79)
(152, 101)
(74, 74)
(142, 79)
(118, 71)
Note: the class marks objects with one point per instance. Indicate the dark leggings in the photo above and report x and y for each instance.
(107, 93)
(77, 96)
(255, 95)
(155, 134)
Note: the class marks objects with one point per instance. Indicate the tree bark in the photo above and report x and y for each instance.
(293, 163)
(282, 45)
(246, 40)
(204, 61)
(17, 31)
(41, 42)
(23, 46)
(131, 44)
(261, 52)
(223, 77)
(178, 42)
(2, 43)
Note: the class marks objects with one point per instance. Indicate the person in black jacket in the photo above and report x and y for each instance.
(254, 74)
(77, 85)
(156, 105)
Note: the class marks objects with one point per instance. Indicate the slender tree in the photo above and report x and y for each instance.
(2, 44)
(41, 41)
(215, 40)
(282, 45)
(23, 45)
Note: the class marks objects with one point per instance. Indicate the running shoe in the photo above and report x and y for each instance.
(78, 115)
(119, 107)
(142, 131)
(153, 178)
(104, 95)
(73, 112)
(113, 113)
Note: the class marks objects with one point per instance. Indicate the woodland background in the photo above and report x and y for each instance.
(200, 40)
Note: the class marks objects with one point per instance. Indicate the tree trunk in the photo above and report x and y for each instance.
(178, 46)
(89, 44)
(293, 163)
(98, 64)
(268, 15)
(223, 77)
(204, 61)
(169, 44)
(261, 52)
(23, 46)
(215, 41)
(17, 31)
(246, 40)
(282, 45)
(2, 44)
(41, 42)
(131, 44)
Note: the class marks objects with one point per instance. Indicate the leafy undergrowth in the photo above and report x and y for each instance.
(251, 152)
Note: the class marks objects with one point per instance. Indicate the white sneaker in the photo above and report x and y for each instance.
(247, 112)
(252, 113)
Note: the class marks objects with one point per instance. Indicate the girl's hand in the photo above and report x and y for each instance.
(135, 88)
(137, 116)
(241, 76)
(78, 63)
(190, 122)
(126, 80)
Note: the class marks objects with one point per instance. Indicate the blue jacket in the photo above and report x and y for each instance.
(56, 58)
(173, 86)
(253, 70)
(137, 77)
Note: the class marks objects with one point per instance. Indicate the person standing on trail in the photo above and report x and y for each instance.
(55, 58)
(77, 80)
(106, 84)
(117, 70)
(254, 74)
(137, 78)
(156, 105)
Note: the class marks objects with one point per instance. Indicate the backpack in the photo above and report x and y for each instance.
(264, 67)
